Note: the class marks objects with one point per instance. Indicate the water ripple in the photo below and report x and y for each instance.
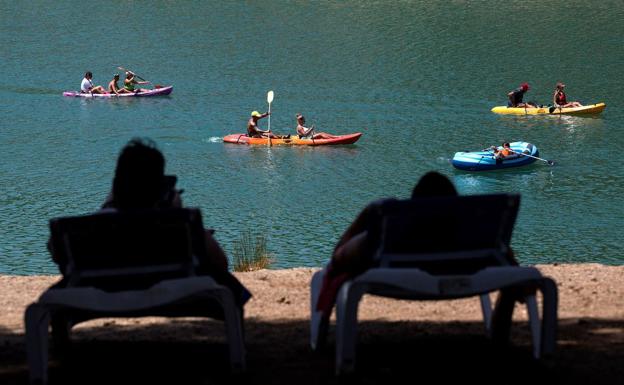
(418, 78)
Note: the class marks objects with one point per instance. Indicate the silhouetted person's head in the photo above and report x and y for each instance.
(139, 176)
(433, 184)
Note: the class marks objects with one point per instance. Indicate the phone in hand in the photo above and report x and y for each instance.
(168, 190)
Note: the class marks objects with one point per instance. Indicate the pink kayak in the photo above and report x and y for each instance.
(153, 92)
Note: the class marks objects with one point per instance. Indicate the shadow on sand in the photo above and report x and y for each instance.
(192, 351)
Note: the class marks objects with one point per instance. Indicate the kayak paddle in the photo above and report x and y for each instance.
(550, 162)
(127, 70)
(269, 100)
(552, 109)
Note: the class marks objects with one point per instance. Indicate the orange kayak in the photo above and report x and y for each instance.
(293, 140)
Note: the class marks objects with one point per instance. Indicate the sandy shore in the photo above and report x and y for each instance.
(442, 339)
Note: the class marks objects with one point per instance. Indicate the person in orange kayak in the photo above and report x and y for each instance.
(253, 131)
(515, 97)
(308, 132)
(560, 100)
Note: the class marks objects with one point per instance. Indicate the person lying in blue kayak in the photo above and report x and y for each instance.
(86, 86)
(515, 97)
(308, 132)
(504, 152)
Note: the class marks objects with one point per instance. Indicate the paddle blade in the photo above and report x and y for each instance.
(270, 97)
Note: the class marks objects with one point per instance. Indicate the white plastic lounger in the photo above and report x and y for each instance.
(128, 265)
(444, 248)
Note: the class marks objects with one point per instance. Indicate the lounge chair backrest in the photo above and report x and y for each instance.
(130, 245)
(448, 235)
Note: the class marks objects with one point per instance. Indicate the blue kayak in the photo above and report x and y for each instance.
(485, 160)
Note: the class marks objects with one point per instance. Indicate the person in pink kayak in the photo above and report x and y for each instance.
(87, 86)
(113, 88)
(308, 132)
(130, 82)
(560, 99)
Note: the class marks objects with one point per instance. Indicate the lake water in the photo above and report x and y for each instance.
(418, 78)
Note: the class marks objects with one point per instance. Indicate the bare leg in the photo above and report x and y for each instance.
(98, 90)
(324, 135)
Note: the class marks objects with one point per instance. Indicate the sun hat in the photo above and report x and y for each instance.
(256, 114)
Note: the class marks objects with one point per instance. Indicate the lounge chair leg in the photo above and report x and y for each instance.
(534, 324)
(234, 331)
(548, 287)
(61, 328)
(486, 309)
(502, 316)
(37, 322)
(346, 326)
(319, 325)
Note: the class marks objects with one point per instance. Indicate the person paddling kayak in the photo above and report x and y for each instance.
(130, 81)
(515, 97)
(308, 132)
(86, 86)
(560, 100)
(503, 153)
(253, 131)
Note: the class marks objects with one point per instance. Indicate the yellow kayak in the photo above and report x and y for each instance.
(589, 109)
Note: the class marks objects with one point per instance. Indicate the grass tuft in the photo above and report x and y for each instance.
(251, 254)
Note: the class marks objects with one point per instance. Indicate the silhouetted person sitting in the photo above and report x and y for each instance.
(354, 253)
(139, 184)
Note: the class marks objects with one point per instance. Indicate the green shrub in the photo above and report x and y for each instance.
(251, 254)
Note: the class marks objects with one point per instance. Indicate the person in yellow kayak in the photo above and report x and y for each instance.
(308, 132)
(130, 82)
(560, 100)
(515, 97)
(113, 88)
(253, 131)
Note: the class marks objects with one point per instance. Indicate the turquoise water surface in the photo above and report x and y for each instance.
(418, 78)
